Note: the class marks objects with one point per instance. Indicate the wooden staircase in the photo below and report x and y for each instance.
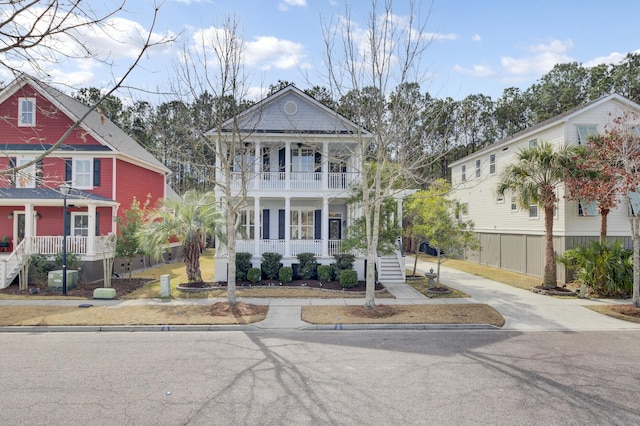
(11, 265)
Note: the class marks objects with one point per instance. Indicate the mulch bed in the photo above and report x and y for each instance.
(326, 285)
(556, 291)
(628, 310)
(122, 286)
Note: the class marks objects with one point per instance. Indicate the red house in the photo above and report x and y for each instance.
(104, 168)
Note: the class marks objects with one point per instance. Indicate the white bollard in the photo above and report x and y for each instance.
(165, 286)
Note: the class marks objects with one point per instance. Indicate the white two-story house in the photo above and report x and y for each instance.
(513, 238)
(302, 163)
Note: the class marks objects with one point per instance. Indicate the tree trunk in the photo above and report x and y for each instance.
(231, 247)
(550, 274)
(635, 228)
(603, 225)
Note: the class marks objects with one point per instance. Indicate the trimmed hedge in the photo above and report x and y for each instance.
(271, 264)
(308, 266)
(348, 278)
(285, 275)
(324, 272)
(243, 264)
(254, 275)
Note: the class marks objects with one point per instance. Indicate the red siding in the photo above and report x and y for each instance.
(50, 123)
(134, 181)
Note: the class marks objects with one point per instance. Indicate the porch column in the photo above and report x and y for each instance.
(257, 166)
(325, 227)
(91, 235)
(28, 226)
(256, 230)
(287, 226)
(399, 212)
(287, 165)
(325, 165)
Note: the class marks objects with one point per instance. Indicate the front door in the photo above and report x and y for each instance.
(21, 227)
(335, 229)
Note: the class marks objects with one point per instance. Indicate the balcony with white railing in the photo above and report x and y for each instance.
(279, 181)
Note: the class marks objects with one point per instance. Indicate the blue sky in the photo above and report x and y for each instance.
(478, 46)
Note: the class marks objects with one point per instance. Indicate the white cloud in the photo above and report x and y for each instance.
(476, 71)
(268, 52)
(476, 37)
(284, 5)
(613, 58)
(544, 57)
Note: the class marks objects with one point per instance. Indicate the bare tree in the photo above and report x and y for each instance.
(367, 64)
(37, 33)
(215, 65)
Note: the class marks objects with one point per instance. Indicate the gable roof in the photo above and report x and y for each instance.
(291, 111)
(99, 126)
(553, 121)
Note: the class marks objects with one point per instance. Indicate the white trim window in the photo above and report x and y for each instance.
(82, 173)
(464, 209)
(514, 204)
(302, 160)
(533, 211)
(464, 173)
(26, 112)
(302, 224)
(79, 224)
(478, 166)
(492, 164)
(26, 178)
(246, 226)
(587, 208)
(584, 131)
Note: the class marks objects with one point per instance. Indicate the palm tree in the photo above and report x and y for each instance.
(190, 220)
(533, 179)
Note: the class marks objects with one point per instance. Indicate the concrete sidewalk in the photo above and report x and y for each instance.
(522, 309)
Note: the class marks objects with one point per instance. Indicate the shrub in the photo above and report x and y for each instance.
(308, 266)
(39, 268)
(285, 275)
(348, 278)
(243, 264)
(324, 272)
(254, 275)
(271, 264)
(342, 262)
(72, 261)
(606, 268)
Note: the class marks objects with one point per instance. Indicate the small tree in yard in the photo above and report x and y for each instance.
(434, 220)
(127, 244)
(190, 220)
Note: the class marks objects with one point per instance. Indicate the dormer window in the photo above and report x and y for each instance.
(26, 112)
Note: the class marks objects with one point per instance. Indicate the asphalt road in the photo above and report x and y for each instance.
(310, 377)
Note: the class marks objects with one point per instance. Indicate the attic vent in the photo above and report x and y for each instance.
(290, 108)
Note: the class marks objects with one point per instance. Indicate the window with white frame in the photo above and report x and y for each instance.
(244, 161)
(79, 224)
(26, 112)
(514, 204)
(478, 165)
(533, 211)
(533, 143)
(25, 178)
(587, 208)
(82, 173)
(492, 164)
(246, 225)
(302, 224)
(584, 131)
(302, 160)
(464, 173)
(464, 209)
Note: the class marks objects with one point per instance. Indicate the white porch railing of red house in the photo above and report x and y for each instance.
(279, 246)
(52, 244)
(297, 180)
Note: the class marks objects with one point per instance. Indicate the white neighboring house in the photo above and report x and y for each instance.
(303, 165)
(513, 238)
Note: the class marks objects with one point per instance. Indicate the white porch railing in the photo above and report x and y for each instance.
(11, 265)
(52, 244)
(297, 180)
(279, 246)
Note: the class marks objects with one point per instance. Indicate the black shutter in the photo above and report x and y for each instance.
(68, 164)
(97, 223)
(318, 224)
(96, 172)
(265, 224)
(281, 160)
(281, 224)
(318, 162)
(12, 176)
(67, 226)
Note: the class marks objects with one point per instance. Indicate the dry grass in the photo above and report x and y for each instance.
(623, 312)
(130, 315)
(422, 285)
(514, 279)
(403, 314)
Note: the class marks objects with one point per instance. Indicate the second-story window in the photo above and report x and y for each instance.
(82, 174)
(26, 112)
(478, 168)
(464, 173)
(492, 164)
(302, 160)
